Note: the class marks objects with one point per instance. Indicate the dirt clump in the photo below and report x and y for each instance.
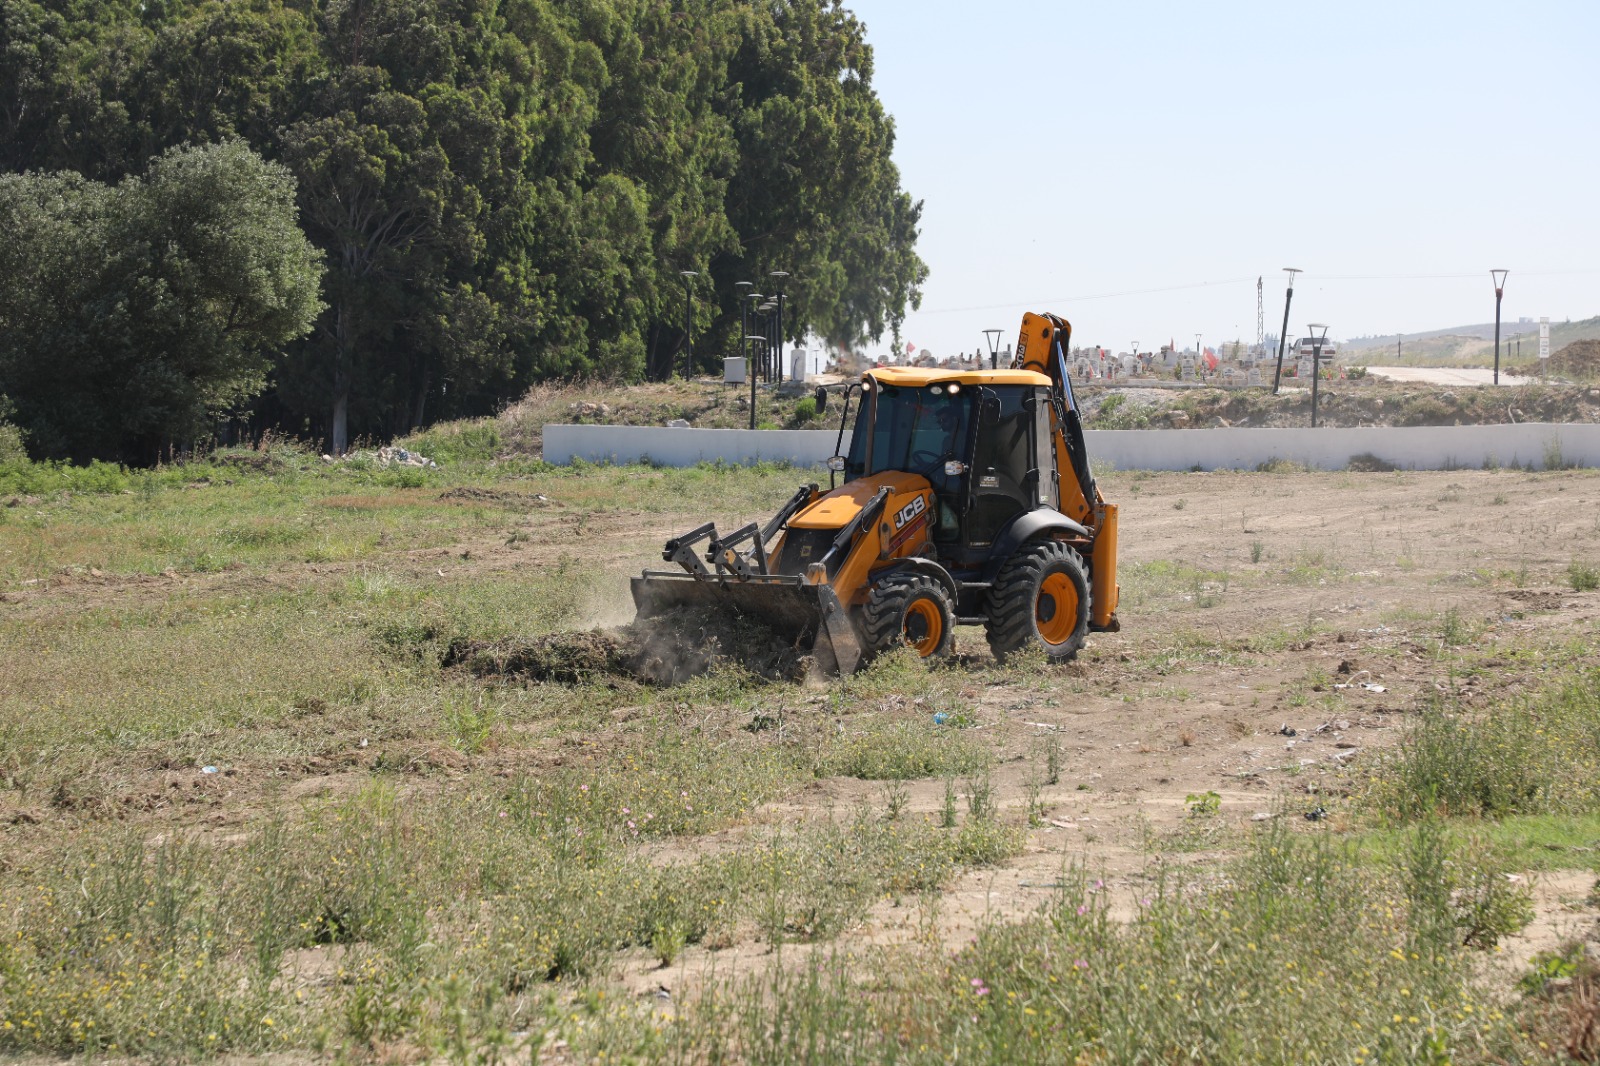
(667, 649)
(567, 658)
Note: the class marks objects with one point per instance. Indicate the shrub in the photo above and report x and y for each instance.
(1582, 577)
(11, 447)
(1367, 463)
(1533, 756)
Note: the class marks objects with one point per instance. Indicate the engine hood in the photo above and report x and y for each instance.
(841, 505)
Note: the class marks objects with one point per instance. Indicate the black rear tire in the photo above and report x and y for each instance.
(908, 609)
(1039, 598)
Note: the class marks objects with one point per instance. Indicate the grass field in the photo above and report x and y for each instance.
(1330, 795)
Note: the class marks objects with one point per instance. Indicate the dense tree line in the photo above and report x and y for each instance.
(502, 190)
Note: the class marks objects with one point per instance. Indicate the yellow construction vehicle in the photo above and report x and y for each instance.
(967, 499)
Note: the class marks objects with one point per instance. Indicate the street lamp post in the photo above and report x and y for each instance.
(1198, 360)
(779, 275)
(744, 288)
(688, 319)
(1499, 277)
(1283, 334)
(753, 340)
(755, 312)
(993, 337)
(769, 329)
(1319, 333)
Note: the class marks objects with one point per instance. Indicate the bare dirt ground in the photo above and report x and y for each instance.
(1270, 686)
(1446, 375)
(1278, 630)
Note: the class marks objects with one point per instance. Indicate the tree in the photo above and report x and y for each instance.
(505, 190)
(133, 316)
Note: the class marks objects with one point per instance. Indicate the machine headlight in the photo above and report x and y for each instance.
(955, 468)
(955, 387)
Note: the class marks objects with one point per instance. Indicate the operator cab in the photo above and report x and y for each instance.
(984, 447)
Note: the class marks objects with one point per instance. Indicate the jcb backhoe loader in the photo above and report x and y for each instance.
(967, 499)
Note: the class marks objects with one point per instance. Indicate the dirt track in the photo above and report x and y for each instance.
(1332, 605)
(1371, 594)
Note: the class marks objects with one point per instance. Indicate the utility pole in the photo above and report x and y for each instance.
(1261, 324)
(1499, 277)
(1288, 299)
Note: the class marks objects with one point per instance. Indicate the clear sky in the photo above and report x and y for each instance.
(1068, 150)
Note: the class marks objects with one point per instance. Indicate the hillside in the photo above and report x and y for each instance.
(1471, 345)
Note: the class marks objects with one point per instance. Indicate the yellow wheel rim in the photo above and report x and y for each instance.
(1057, 609)
(924, 627)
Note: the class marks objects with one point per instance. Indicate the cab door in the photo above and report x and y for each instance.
(1006, 480)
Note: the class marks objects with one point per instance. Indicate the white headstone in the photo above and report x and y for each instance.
(733, 370)
(800, 365)
(1544, 338)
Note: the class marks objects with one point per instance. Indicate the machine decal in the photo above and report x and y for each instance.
(908, 532)
(910, 511)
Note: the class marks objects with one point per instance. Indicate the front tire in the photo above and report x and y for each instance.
(908, 609)
(1041, 598)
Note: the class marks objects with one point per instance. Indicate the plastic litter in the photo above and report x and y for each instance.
(208, 769)
(940, 718)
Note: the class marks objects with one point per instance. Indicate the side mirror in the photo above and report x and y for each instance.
(989, 411)
(822, 399)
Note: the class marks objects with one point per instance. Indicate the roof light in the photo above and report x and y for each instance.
(937, 390)
(955, 387)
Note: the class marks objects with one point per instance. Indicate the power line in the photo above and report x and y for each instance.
(1080, 299)
(1235, 281)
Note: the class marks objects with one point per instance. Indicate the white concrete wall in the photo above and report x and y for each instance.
(686, 447)
(1409, 448)
(1406, 447)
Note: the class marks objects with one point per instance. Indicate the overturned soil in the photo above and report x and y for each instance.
(666, 649)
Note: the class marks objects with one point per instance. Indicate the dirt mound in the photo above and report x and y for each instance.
(1580, 359)
(665, 650)
(569, 658)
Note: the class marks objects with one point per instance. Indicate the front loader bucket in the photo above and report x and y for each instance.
(800, 612)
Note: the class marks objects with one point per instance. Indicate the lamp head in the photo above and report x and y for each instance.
(744, 285)
(1499, 279)
(687, 274)
(1318, 332)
